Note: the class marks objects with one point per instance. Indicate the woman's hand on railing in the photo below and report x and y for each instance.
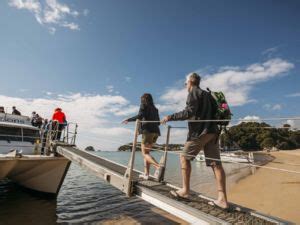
(125, 121)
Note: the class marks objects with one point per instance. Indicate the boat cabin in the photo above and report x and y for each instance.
(16, 132)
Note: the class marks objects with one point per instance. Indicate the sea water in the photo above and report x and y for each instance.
(86, 199)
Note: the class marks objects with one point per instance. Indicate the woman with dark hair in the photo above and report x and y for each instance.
(149, 131)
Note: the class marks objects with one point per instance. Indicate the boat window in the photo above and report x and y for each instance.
(10, 134)
(30, 135)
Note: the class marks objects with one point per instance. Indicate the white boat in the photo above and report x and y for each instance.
(16, 132)
(229, 157)
(20, 158)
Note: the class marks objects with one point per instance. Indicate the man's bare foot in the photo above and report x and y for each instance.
(179, 196)
(182, 193)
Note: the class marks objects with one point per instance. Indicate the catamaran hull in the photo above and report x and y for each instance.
(37, 173)
(27, 148)
(5, 167)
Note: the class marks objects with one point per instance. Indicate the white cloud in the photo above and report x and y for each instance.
(23, 90)
(235, 82)
(71, 26)
(276, 107)
(129, 110)
(127, 79)
(31, 5)
(52, 30)
(272, 107)
(113, 132)
(110, 88)
(49, 13)
(86, 12)
(99, 116)
(295, 124)
(251, 119)
(270, 51)
(297, 94)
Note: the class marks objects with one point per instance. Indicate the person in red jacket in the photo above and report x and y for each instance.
(60, 118)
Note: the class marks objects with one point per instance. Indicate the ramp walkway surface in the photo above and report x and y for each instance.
(195, 210)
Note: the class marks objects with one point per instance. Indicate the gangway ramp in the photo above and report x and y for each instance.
(195, 211)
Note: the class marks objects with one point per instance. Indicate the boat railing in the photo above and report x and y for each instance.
(41, 142)
(19, 119)
(55, 134)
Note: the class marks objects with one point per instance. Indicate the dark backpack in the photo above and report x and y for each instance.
(222, 110)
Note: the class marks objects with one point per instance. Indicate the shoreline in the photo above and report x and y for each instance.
(272, 192)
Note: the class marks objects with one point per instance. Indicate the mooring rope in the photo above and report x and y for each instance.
(230, 161)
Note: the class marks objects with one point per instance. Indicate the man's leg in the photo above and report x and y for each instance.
(213, 159)
(221, 185)
(186, 175)
(191, 149)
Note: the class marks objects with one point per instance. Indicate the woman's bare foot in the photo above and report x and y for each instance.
(221, 204)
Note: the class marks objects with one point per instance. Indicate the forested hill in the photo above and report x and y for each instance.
(172, 147)
(257, 136)
(247, 136)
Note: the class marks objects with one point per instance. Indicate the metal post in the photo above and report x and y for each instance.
(22, 133)
(56, 130)
(68, 133)
(48, 140)
(163, 160)
(251, 159)
(128, 174)
(75, 134)
(64, 135)
(42, 140)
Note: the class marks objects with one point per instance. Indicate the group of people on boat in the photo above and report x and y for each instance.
(14, 110)
(58, 116)
(58, 122)
(36, 120)
(201, 135)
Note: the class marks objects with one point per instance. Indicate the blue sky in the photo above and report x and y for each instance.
(84, 54)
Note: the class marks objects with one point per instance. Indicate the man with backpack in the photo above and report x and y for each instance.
(204, 135)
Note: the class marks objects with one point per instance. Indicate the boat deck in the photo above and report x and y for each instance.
(196, 210)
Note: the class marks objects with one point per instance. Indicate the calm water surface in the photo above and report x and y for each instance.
(85, 199)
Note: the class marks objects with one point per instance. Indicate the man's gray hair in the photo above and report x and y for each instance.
(194, 78)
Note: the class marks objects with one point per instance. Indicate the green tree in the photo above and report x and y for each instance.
(256, 136)
(267, 143)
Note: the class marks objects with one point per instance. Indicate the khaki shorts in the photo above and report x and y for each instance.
(207, 142)
(149, 138)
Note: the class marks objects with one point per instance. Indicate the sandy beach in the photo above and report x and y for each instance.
(272, 192)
